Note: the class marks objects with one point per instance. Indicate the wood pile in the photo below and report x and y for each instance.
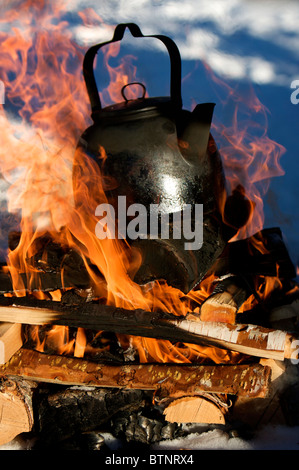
(62, 397)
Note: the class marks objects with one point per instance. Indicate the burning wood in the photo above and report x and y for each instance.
(54, 266)
(44, 282)
(247, 339)
(227, 298)
(58, 247)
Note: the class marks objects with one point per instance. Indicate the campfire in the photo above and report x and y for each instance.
(133, 334)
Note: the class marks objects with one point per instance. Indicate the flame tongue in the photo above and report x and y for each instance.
(46, 112)
(250, 157)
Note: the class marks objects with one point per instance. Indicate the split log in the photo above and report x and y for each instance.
(246, 339)
(10, 340)
(193, 410)
(219, 307)
(225, 301)
(171, 380)
(16, 408)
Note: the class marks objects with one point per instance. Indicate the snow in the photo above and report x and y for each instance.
(268, 438)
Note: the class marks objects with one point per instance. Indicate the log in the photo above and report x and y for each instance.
(42, 281)
(52, 266)
(225, 301)
(16, 414)
(193, 410)
(45, 282)
(172, 380)
(64, 413)
(10, 340)
(246, 339)
(258, 412)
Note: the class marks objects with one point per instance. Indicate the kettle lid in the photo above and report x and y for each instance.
(136, 108)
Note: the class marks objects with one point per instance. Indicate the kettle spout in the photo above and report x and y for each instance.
(193, 141)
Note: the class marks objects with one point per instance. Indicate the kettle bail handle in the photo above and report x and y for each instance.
(175, 65)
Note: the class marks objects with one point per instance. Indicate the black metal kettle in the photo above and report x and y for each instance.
(165, 157)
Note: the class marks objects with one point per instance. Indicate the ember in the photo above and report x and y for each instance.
(142, 324)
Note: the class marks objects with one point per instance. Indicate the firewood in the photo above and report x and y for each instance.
(227, 297)
(16, 408)
(144, 427)
(65, 412)
(55, 265)
(219, 307)
(193, 410)
(47, 276)
(262, 254)
(10, 340)
(246, 339)
(42, 282)
(261, 412)
(171, 380)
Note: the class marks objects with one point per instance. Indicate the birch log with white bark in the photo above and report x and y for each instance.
(247, 339)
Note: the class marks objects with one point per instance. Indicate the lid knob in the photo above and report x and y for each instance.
(130, 84)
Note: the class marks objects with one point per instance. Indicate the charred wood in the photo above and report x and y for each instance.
(145, 426)
(263, 254)
(44, 282)
(246, 339)
(66, 412)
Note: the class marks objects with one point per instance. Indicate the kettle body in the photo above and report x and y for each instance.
(163, 158)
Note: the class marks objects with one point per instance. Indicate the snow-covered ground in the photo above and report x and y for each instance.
(268, 438)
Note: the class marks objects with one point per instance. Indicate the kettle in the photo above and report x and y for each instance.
(164, 157)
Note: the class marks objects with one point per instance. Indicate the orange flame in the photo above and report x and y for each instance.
(250, 158)
(41, 67)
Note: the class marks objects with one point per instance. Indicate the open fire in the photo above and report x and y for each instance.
(55, 256)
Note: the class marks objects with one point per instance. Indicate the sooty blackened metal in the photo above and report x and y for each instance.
(158, 153)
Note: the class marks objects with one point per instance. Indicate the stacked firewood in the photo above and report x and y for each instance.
(61, 396)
